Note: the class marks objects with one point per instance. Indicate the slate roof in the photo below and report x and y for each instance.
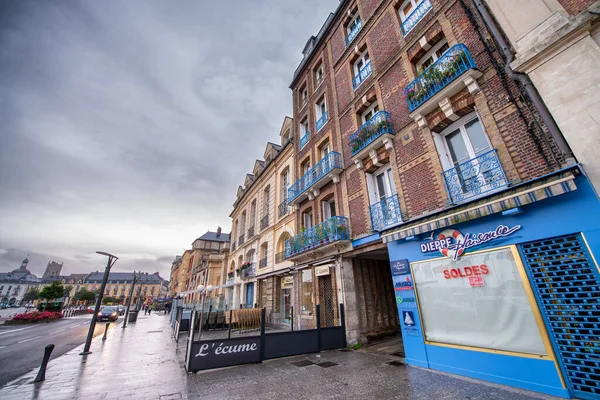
(212, 237)
(123, 277)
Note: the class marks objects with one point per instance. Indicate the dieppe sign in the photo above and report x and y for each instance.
(451, 243)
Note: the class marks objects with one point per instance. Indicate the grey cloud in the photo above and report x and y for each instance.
(122, 121)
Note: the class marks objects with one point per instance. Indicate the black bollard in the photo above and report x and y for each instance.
(105, 331)
(41, 376)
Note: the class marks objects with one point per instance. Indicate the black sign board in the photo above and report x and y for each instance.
(224, 353)
(400, 267)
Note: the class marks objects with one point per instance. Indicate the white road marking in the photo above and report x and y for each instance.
(1, 347)
(26, 340)
(75, 326)
(60, 330)
(15, 330)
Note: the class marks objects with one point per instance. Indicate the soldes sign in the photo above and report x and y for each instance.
(452, 243)
(465, 272)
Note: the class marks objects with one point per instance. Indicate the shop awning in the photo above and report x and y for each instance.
(269, 274)
(512, 198)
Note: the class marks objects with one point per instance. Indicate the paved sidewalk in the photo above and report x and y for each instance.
(142, 362)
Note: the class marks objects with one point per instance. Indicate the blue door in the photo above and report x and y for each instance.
(566, 284)
(249, 295)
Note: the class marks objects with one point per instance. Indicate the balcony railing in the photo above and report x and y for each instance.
(377, 125)
(353, 32)
(241, 239)
(283, 209)
(262, 263)
(415, 16)
(249, 272)
(328, 231)
(304, 139)
(321, 121)
(475, 177)
(264, 222)
(386, 213)
(251, 232)
(362, 75)
(331, 161)
(452, 64)
(280, 257)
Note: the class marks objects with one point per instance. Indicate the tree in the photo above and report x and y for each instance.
(85, 295)
(31, 295)
(107, 300)
(54, 291)
(67, 292)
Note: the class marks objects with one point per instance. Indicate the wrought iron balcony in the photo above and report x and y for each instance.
(353, 32)
(249, 271)
(262, 263)
(362, 75)
(386, 213)
(329, 231)
(325, 170)
(283, 209)
(264, 222)
(377, 126)
(413, 19)
(241, 239)
(304, 139)
(321, 121)
(452, 64)
(476, 177)
(251, 232)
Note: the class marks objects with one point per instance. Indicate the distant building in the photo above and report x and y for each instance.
(14, 284)
(52, 270)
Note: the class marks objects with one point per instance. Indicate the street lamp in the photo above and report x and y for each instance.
(135, 279)
(111, 261)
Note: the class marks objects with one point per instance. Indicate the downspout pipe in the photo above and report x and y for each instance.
(524, 80)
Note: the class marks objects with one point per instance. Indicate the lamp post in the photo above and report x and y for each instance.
(135, 279)
(203, 292)
(111, 261)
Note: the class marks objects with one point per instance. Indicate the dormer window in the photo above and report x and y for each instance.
(319, 75)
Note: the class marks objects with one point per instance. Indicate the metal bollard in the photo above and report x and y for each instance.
(41, 376)
(105, 331)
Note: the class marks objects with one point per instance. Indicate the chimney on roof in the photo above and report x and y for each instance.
(218, 231)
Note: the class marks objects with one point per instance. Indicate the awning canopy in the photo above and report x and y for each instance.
(506, 200)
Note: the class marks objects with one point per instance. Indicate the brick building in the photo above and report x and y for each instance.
(408, 134)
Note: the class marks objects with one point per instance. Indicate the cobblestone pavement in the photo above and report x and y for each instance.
(143, 362)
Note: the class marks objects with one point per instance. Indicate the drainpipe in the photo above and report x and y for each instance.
(524, 80)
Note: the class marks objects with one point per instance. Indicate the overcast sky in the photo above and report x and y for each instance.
(126, 126)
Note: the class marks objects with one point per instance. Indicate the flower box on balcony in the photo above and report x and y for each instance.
(440, 81)
(332, 230)
(376, 132)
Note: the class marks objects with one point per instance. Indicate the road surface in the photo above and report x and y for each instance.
(22, 346)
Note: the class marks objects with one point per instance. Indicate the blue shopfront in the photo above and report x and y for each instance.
(506, 289)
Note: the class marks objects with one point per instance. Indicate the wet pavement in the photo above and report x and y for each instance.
(143, 362)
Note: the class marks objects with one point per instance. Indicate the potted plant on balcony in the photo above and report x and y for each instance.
(230, 275)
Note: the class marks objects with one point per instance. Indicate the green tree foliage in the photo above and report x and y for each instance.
(107, 300)
(84, 295)
(32, 294)
(54, 291)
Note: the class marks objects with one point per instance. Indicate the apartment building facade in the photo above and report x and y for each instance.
(428, 191)
(261, 222)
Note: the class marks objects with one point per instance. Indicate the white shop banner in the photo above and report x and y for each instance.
(478, 300)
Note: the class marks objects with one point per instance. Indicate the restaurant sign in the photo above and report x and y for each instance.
(224, 353)
(452, 243)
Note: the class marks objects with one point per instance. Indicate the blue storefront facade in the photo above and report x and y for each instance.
(506, 288)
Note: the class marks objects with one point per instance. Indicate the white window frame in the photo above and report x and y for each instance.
(305, 167)
(326, 208)
(373, 188)
(322, 149)
(304, 128)
(305, 215)
(353, 21)
(371, 109)
(404, 16)
(431, 53)
(319, 75)
(253, 212)
(364, 58)
(321, 107)
(303, 96)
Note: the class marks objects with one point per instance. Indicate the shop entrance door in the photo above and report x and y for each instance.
(326, 301)
(250, 295)
(566, 284)
(286, 305)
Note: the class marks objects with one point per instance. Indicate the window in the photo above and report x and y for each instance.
(243, 223)
(252, 213)
(381, 184)
(361, 62)
(465, 140)
(407, 8)
(303, 96)
(432, 55)
(321, 108)
(328, 208)
(325, 149)
(285, 182)
(318, 76)
(488, 311)
(354, 22)
(307, 292)
(307, 219)
(369, 112)
(305, 167)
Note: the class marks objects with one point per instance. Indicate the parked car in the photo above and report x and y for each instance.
(108, 313)
(121, 310)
